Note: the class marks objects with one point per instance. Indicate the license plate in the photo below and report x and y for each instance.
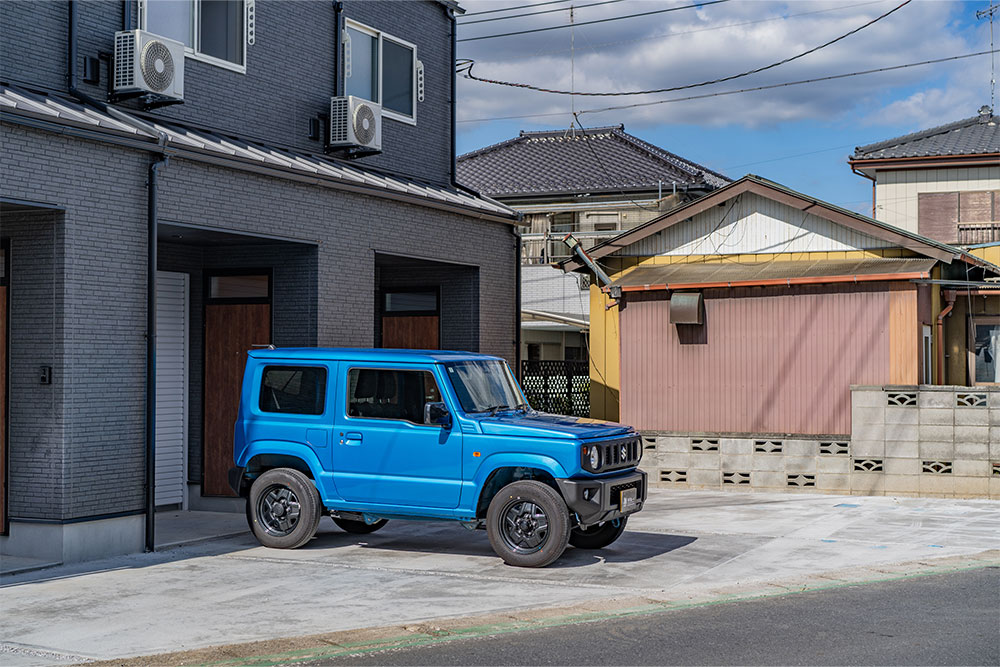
(629, 500)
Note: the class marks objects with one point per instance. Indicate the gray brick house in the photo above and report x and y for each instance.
(260, 230)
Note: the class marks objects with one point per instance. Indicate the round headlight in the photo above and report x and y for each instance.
(595, 457)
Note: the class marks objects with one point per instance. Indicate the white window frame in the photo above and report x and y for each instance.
(380, 37)
(192, 52)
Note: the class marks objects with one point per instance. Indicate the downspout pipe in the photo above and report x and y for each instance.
(338, 46)
(152, 225)
(872, 179)
(518, 244)
(454, 105)
(949, 296)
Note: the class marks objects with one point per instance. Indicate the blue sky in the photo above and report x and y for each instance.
(799, 135)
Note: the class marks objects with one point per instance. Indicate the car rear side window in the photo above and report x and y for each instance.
(293, 389)
(384, 393)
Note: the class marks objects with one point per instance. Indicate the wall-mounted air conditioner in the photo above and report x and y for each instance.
(148, 63)
(355, 123)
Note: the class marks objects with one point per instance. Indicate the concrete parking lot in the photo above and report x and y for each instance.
(684, 546)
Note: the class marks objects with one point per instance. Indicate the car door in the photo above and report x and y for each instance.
(384, 453)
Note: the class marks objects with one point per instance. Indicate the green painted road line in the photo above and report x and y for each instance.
(490, 630)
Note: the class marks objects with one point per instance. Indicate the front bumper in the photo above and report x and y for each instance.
(599, 499)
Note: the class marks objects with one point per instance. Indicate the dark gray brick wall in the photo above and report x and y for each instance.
(103, 273)
(289, 75)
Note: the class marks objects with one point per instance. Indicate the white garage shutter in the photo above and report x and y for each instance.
(171, 386)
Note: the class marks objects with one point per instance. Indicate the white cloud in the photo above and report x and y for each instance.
(639, 57)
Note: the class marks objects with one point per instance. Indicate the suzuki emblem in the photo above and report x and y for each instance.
(624, 452)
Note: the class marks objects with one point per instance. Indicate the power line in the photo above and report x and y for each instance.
(600, 45)
(741, 90)
(544, 11)
(467, 68)
(510, 9)
(612, 18)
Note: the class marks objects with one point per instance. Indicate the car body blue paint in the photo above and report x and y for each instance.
(393, 468)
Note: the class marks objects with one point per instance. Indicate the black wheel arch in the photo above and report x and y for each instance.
(501, 477)
(261, 463)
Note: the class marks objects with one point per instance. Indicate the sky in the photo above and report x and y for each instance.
(800, 136)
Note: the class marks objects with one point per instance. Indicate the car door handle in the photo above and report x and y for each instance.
(353, 439)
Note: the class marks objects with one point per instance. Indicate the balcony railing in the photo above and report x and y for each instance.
(972, 233)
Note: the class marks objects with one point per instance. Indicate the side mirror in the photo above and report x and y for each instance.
(436, 414)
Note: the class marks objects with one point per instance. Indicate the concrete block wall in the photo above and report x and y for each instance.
(905, 441)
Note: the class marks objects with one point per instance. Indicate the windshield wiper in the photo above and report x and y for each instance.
(496, 408)
(523, 406)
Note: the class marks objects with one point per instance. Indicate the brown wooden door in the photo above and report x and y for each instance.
(3, 408)
(415, 332)
(230, 330)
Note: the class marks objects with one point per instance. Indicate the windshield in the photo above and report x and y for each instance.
(484, 386)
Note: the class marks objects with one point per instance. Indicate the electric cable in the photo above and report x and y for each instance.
(510, 9)
(467, 67)
(544, 11)
(605, 20)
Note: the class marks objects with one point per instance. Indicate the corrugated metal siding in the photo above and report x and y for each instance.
(767, 360)
(171, 385)
(753, 225)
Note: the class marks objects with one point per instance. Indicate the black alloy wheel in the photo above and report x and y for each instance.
(528, 524)
(285, 508)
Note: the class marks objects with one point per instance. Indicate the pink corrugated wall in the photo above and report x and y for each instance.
(766, 360)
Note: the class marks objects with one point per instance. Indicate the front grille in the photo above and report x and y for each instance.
(621, 453)
(616, 490)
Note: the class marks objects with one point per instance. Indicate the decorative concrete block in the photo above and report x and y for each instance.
(971, 468)
(826, 481)
(902, 449)
(901, 466)
(736, 462)
(937, 484)
(760, 479)
(673, 443)
(971, 487)
(937, 450)
(862, 398)
(896, 484)
(833, 464)
(705, 478)
(801, 448)
(673, 460)
(936, 398)
(867, 449)
(705, 461)
(736, 446)
(972, 417)
(937, 416)
(898, 432)
(905, 415)
(936, 433)
(768, 462)
(800, 464)
(868, 483)
(972, 434)
(972, 450)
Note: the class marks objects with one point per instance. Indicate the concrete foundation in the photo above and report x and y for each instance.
(74, 542)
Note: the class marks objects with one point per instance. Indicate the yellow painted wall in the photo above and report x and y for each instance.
(990, 254)
(605, 382)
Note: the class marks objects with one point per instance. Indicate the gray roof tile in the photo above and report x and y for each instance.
(972, 136)
(596, 159)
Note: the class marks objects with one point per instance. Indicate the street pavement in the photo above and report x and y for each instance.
(684, 547)
(948, 619)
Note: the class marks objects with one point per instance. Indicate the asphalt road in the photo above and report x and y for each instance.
(951, 619)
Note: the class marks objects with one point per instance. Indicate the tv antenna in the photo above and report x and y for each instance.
(981, 14)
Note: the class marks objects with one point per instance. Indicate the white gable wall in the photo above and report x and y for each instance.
(752, 225)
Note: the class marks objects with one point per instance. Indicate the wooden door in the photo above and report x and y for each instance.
(416, 332)
(230, 330)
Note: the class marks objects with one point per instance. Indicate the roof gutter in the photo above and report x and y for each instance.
(777, 282)
(870, 178)
(554, 317)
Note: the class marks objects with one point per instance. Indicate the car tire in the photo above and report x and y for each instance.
(528, 524)
(599, 536)
(359, 527)
(285, 508)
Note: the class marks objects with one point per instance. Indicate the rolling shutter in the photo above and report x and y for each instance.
(171, 386)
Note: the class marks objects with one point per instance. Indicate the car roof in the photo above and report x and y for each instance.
(381, 355)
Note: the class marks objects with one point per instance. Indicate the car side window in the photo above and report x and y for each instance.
(293, 389)
(384, 393)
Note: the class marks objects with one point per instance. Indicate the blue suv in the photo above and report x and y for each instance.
(371, 435)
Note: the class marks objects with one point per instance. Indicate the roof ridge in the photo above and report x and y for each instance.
(915, 136)
(665, 154)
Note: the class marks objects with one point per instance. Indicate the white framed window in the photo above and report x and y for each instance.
(383, 69)
(213, 31)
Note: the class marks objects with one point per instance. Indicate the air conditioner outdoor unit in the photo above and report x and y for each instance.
(148, 63)
(355, 123)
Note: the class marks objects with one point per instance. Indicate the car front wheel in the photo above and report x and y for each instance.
(528, 524)
(285, 508)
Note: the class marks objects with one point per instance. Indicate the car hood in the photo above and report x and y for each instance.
(544, 425)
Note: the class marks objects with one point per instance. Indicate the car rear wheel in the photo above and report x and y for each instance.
(528, 524)
(599, 536)
(285, 508)
(359, 527)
